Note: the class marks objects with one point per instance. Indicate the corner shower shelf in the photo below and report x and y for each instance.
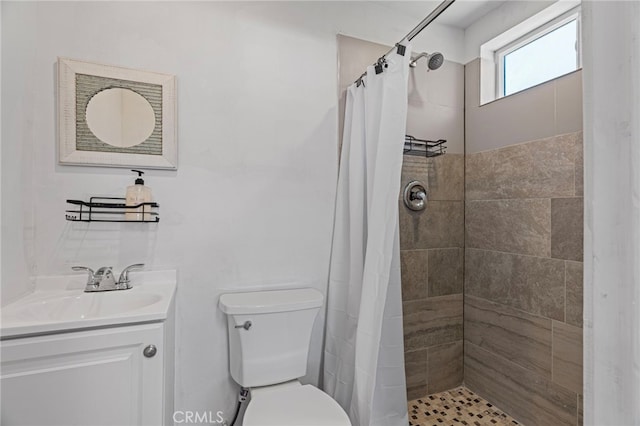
(110, 209)
(423, 147)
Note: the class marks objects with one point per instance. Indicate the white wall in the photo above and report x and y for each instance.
(497, 21)
(252, 202)
(383, 24)
(611, 51)
(1, 188)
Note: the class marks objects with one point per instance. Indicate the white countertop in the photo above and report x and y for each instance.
(60, 304)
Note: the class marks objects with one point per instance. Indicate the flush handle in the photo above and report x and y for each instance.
(246, 325)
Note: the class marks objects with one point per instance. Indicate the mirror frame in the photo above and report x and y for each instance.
(74, 145)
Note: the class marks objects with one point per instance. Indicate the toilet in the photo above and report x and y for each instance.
(269, 335)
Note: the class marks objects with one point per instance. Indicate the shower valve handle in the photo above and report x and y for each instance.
(415, 196)
(418, 195)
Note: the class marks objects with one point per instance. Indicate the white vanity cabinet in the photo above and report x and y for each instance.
(90, 377)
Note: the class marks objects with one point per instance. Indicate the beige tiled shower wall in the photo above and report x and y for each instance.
(523, 256)
(432, 241)
(432, 264)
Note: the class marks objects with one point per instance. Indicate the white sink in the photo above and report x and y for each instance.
(60, 304)
(86, 305)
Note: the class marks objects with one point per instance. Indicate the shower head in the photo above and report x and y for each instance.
(434, 60)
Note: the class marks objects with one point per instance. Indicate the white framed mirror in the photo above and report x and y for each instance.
(116, 117)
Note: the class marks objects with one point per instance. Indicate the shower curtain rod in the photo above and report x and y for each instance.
(421, 26)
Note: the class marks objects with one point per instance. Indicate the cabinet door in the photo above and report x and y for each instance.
(96, 377)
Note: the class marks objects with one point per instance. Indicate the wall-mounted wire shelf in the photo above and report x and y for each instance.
(111, 209)
(423, 147)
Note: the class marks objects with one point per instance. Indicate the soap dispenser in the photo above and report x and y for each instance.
(137, 194)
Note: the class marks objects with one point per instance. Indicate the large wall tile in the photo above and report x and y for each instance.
(433, 122)
(472, 84)
(527, 396)
(579, 166)
(445, 367)
(543, 168)
(440, 225)
(443, 175)
(533, 284)
(580, 410)
(545, 110)
(487, 126)
(432, 321)
(569, 103)
(436, 105)
(446, 271)
(567, 217)
(516, 226)
(567, 356)
(413, 168)
(445, 87)
(574, 294)
(413, 266)
(522, 338)
(446, 177)
(415, 368)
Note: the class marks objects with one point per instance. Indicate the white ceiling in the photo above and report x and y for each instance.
(460, 14)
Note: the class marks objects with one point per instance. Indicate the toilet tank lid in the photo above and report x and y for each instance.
(263, 302)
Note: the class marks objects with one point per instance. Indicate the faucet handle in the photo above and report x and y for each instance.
(92, 276)
(124, 275)
(91, 279)
(83, 268)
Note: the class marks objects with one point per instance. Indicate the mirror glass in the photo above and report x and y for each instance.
(120, 117)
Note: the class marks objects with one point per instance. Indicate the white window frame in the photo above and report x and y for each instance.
(526, 31)
(532, 36)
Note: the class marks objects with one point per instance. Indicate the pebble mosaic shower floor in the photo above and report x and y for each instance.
(457, 406)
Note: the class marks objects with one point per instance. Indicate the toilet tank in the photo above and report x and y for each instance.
(269, 334)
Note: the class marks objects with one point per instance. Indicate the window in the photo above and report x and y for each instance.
(542, 47)
(545, 53)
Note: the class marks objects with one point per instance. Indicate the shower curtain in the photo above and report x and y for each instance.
(364, 349)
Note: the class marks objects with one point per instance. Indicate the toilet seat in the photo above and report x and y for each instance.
(293, 404)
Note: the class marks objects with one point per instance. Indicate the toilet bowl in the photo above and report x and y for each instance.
(269, 336)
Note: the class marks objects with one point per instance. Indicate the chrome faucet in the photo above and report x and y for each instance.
(124, 275)
(103, 279)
